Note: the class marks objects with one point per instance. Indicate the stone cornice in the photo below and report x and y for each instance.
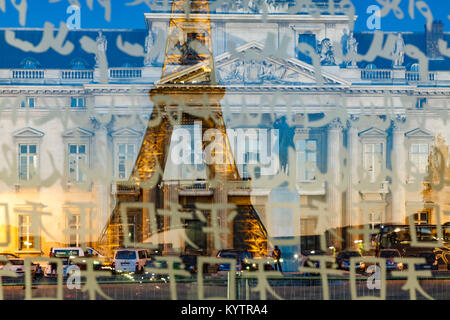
(303, 88)
(244, 17)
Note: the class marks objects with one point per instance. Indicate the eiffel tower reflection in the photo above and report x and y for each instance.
(186, 96)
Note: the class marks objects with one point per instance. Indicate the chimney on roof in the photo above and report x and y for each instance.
(432, 37)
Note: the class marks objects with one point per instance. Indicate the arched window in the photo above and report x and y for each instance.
(415, 67)
(79, 64)
(29, 63)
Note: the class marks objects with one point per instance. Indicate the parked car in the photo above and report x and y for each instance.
(77, 252)
(9, 255)
(343, 260)
(431, 261)
(157, 264)
(390, 255)
(308, 262)
(190, 262)
(269, 265)
(71, 253)
(18, 266)
(241, 257)
(130, 260)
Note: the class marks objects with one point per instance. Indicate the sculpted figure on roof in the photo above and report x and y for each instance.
(149, 57)
(399, 51)
(352, 51)
(101, 46)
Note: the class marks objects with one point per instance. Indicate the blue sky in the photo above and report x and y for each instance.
(123, 16)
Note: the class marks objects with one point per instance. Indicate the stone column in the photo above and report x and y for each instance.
(170, 197)
(398, 206)
(334, 196)
(148, 196)
(353, 213)
(102, 164)
(221, 198)
(285, 31)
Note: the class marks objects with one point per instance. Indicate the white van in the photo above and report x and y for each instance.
(75, 252)
(67, 253)
(130, 260)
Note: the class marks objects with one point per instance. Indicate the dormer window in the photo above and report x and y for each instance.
(29, 63)
(414, 67)
(79, 64)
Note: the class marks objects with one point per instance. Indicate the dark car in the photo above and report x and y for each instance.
(9, 255)
(431, 261)
(155, 263)
(390, 255)
(343, 260)
(190, 262)
(311, 262)
(241, 256)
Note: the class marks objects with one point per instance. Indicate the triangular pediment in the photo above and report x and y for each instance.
(249, 65)
(419, 133)
(373, 133)
(28, 132)
(127, 133)
(78, 132)
(196, 74)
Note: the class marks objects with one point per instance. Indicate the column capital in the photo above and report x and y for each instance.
(335, 124)
(398, 123)
(99, 126)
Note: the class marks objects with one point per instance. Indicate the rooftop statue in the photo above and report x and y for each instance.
(352, 51)
(399, 52)
(149, 56)
(101, 47)
(326, 53)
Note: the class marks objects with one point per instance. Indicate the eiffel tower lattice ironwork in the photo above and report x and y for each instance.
(186, 94)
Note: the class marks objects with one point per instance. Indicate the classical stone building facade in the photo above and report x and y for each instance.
(360, 132)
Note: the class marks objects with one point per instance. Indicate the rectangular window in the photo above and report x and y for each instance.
(251, 156)
(419, 156)
(27, 103)
(309, 39)
(373, 159)
(77, 160)
(374, 219)
(422, 217)
(73, 223)
(306, 159)
(421, 103)
(77, 102)
(27, 161)
(27, 241)
(125, 159)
